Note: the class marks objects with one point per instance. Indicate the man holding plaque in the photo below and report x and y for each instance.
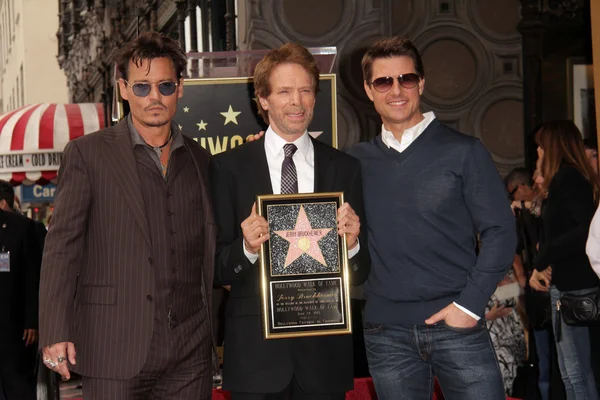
(285, 161)
(430, 191)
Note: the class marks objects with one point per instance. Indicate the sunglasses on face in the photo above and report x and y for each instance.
(385, 83)
(166, 88)
(513, 192)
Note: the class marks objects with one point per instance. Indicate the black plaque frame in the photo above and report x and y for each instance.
(298, 304)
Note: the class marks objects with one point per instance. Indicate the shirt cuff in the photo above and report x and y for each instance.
(250, 256)
(354, 251)
(469, 313)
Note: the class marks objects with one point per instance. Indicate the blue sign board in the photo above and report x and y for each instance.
(38, 193)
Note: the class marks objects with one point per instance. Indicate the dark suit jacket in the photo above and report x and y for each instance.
(97, 283)
(252, 364)
(18, 290)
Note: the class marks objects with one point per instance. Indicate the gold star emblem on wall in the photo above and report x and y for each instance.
(230, 116)
(202, 125)
(186, 109)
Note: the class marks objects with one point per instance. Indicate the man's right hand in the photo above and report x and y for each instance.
(55, 358)
(255, 230)
(256, 136)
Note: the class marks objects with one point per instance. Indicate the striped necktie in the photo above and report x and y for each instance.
(289, 176)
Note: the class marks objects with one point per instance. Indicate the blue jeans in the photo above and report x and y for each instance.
(574, 355)
(542, 345)
(403, 359)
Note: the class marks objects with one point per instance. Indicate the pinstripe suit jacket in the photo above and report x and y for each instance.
(97, 282)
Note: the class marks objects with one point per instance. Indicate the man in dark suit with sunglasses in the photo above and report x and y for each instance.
(127, 273)
(429, 190)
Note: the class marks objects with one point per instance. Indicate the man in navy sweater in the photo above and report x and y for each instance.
(429, 191)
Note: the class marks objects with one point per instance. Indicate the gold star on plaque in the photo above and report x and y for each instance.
(186, 109)
(202, 125)
(230, 116)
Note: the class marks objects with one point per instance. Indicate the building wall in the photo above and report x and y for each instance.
(44, 81)
(471, 51)
(30, 72)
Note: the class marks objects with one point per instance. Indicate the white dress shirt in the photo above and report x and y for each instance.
(592, 247)
(304, 159)
(409, 136)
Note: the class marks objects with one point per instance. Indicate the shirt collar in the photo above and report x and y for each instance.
(274, 143)
(410, 134)
(138, 140)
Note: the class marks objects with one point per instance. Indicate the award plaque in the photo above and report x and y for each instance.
(304, 267)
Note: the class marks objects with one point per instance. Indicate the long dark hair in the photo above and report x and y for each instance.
(562, 143)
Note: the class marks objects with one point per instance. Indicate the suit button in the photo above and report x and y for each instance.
(150, 260)
(172, 232)
(172, 251)
(169, 213)
(149, 298)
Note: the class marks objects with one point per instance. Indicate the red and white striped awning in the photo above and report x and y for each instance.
(33, 137)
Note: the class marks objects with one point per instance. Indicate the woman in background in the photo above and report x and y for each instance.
(562, 265)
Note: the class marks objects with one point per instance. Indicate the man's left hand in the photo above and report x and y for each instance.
(453, 316)
(349, 224)
(30, 336)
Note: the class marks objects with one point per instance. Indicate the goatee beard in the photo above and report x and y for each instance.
(157, 124)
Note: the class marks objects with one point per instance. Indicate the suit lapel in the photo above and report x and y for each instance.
(121, 162)
(325, 170)
(258, 168)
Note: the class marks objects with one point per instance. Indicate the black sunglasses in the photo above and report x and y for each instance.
(512, 192)
(385, 83)
(166, 88)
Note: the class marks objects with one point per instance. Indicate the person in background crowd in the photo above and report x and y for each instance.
(527, 198)
(428, 191)
(19, 283)
(127, 273)
(561, 265)
(506, 329)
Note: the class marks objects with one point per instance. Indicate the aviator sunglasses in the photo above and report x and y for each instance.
(166, 88)
(385, 83)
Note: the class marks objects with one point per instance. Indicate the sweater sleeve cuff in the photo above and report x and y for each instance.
(473, 299)
(469, 313)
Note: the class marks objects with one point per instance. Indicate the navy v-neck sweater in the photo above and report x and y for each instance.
(424, 209)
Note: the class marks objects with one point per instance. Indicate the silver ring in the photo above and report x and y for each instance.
(61, 359)
(50, 363)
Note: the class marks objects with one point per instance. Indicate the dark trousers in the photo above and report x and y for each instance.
(176, 368)
(17, 386)
(292, 392)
